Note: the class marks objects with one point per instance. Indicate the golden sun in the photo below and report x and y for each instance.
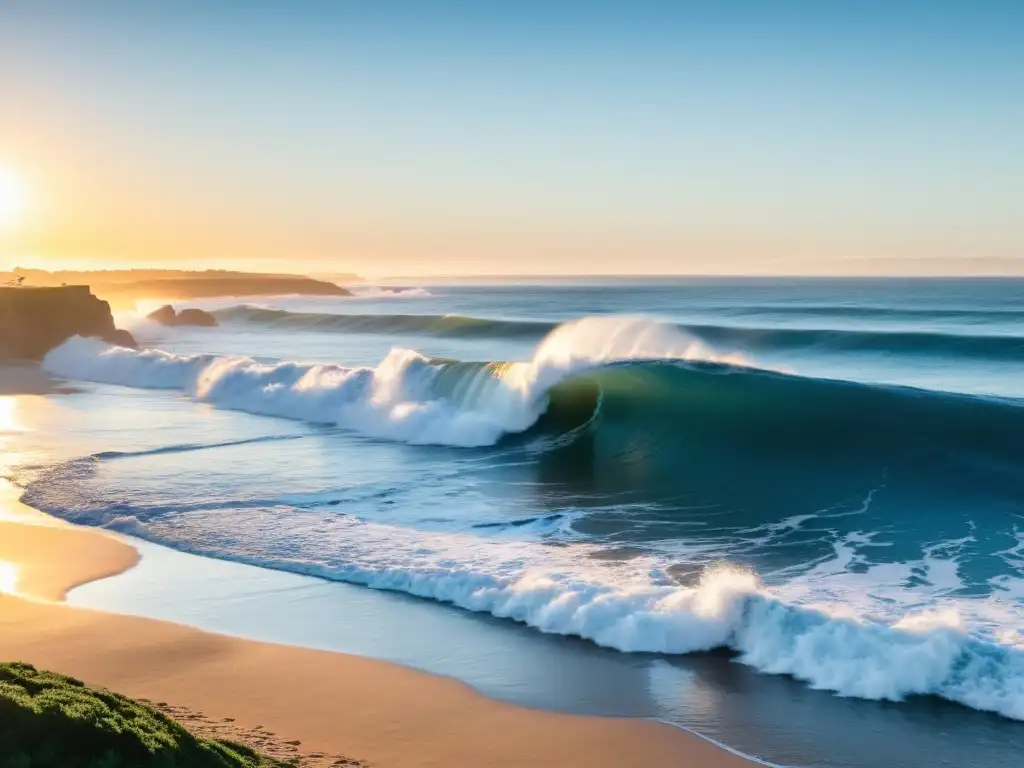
(12, 198)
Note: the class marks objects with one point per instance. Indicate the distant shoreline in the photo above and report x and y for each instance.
(125, 287)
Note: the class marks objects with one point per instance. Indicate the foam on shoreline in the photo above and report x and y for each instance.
(390, 715)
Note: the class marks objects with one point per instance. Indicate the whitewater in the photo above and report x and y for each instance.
(785, 514)
(636, 428)
(634, 607)
(402, 397)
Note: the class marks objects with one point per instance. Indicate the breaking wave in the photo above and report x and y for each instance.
(632, 403)
(631, 606)
(407, 397)
(650, 382)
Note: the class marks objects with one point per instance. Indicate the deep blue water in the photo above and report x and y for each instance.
(824, 476)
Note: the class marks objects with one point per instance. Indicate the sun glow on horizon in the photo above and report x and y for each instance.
(12, 197)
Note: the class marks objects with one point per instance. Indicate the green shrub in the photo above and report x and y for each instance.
(52, 721)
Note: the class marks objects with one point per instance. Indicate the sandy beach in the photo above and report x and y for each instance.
(327, 708)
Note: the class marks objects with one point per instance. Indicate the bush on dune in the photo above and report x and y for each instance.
(52, 721)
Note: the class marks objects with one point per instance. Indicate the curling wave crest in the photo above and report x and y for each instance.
(407, 397)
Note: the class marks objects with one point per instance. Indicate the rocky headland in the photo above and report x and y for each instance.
(34, 320)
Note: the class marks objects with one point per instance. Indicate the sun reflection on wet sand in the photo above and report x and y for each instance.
(8, 577)
(8, 415)
(10, 429)
(16, 413)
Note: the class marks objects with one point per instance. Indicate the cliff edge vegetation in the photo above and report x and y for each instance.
(52, 721)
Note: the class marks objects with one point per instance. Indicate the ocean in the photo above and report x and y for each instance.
(815, 480)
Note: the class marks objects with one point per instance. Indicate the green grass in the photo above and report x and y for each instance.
(52, 721)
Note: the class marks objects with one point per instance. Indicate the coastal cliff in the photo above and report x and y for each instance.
(35, 320)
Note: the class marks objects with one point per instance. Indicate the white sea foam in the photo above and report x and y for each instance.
(629, 606)
(396, 400)
(615, 604)
(924, 653)
(391, 401)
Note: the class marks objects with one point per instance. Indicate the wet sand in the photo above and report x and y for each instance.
(28, 378)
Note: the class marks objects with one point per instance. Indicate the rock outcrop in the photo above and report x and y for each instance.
(122, 338)
(35, 320)
(167, 315)
(197, 317)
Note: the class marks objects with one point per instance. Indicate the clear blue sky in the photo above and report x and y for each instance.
(510, 137)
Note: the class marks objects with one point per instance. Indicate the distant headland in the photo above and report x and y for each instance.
(126, 286)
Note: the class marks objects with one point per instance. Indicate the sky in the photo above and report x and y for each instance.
(498, 138)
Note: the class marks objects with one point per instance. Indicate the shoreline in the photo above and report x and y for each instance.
(338, 707)
(26, 377)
